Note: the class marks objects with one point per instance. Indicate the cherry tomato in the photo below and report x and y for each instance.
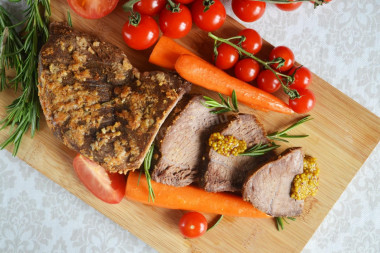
(227, 56)
(248, 11)
(208, 15)
(176, 23)
(286, 54)
(302, 77)
(149, 7)
(268, 81)
(92, 9)
(289, 7)
(193, 224)
(142, 35)
(184, 1)
(247, 69)
(253, 41)
(303, 104)
(109, 187)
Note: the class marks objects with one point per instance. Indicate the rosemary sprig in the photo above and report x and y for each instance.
(259, 149)
(10, 50)
(280, 224)
(147, 164)
(224, 106)
(279, 136)
(23, 113)
(316, 2)
(267, 65)
(69, 20)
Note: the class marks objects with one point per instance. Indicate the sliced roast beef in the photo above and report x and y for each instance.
(97, 103)
(224, 173)
(268, 189)
(182, 141)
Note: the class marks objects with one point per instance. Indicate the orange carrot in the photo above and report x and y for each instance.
(189, 198)
(166, 52)
(200, 72)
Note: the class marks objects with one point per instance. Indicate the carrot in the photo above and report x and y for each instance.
(189, 198)
(200, 72)
(166, 52)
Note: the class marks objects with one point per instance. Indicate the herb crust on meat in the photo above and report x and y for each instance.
(97, 103)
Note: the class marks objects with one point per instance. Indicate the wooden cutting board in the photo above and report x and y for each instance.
(342, 135)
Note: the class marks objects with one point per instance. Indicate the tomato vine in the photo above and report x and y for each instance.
(292, 93)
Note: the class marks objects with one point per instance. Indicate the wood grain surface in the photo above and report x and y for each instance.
(342, 134)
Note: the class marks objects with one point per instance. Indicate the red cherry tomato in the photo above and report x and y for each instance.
(184, 1)
(142, 35)
(302, 78)
(268, 81)
(176, 23)
(227, 56)
(253, 41)
(289, 7)
(92, 9)
(248, 11)
(303, 104)
(208, 15)
(149, 7)
(286, 54)
(109, 187)
(247, 69)
(193, 224)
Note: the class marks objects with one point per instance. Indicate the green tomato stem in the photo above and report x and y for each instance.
(291, 93)
(173, 7)
(207, 4)
(128, 6)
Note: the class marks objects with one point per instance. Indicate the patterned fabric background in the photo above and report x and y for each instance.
(339, 42)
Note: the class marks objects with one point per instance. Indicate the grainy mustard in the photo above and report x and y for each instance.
(226, 145)
(306, 184)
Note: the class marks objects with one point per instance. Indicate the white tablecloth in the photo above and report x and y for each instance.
(339, 42)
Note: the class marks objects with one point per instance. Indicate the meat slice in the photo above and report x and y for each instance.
(97, 103)
(268, 189)
(228, 173)
(182, 141)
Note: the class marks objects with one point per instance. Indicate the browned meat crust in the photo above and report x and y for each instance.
(268, 189)
(97, 103)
